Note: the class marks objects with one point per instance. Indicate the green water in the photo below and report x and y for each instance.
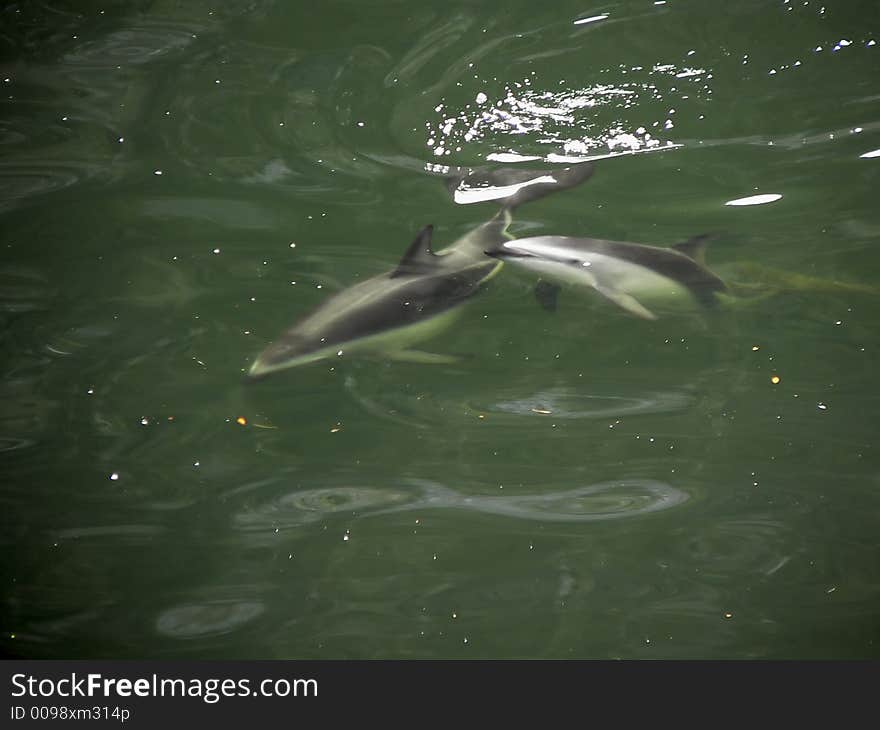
(580, 483)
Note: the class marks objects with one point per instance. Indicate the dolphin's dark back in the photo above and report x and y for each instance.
(407, 301)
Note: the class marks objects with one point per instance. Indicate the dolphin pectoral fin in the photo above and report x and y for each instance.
(547, 295)
(627, 301)
(427, 358)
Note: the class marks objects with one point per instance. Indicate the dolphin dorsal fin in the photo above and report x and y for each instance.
(695, 248)
(419, 257)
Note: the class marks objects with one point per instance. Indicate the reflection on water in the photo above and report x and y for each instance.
(595, 502)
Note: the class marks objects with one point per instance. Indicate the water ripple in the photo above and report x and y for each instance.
(592, 503)
(137, 44)
(595, 502)
(511, 407)
(10, 443)
(312, 505)
(117, 532)
(22, 179)
(211, 618)
(23, 290)
(568, 403)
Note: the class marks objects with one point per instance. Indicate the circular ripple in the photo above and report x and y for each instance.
(25, 179)
(570, 404)
(311, 505)
(592, 503)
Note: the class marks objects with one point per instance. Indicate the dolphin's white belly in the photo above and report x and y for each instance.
(633, 279)
(610, 274)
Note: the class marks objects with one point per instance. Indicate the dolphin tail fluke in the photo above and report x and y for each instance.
(512, 186)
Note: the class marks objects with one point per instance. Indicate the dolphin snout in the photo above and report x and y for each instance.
(277, 356)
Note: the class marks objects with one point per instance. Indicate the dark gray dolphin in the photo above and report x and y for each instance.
(631, 275)
(392, 311)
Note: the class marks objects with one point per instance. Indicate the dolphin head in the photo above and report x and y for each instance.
(287, 351)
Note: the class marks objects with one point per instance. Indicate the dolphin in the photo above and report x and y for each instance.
(392, 311)
(631, 275)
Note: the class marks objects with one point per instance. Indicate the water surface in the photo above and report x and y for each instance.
(178, 183)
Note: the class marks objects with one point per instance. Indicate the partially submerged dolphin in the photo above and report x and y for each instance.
(390, 312)
(631, 275)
